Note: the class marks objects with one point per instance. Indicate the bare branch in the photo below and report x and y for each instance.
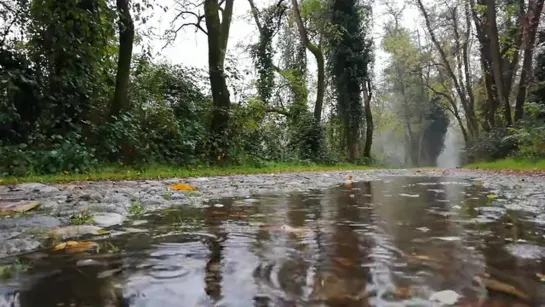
(184, 14)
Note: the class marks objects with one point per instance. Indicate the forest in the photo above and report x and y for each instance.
(79, 90)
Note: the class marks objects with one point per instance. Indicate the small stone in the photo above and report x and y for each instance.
(14, 246)
(107, 219)
(94, 196)
(218, 205)
(153, 200)
(87, 262)
(37, 221)
(49, 204)
(445, 297)
(116, 198)
(177, 196)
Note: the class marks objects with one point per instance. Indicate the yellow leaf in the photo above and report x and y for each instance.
(59, 246)
(183, 187)
(101, 232)
(17, 207)
(491, 196)
(73, 247)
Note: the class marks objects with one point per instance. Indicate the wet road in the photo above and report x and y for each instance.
(399, 241)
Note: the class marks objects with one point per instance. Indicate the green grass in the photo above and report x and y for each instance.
(510, 164)
(164, 172)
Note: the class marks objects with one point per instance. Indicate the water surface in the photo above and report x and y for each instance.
(393, 242)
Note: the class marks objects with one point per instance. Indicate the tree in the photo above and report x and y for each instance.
(455, 69)
(217, 32)
(318, 54)
(413, 89)
(126, 41)
(350, 63)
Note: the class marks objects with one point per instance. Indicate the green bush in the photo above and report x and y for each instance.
(530, 134)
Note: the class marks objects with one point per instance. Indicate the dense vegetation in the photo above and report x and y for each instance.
(74, 94)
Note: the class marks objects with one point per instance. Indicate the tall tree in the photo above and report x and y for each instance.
(218, 36)
(69, 41)
(217, 17)
(455, 82)
(318, 54)
(350, 61)
(126, 41)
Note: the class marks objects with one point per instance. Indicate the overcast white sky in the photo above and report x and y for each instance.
(191, 48)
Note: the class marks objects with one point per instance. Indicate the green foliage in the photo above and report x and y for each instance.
(82, 218)
(530, 134)
(57, 82)
(492, 145)
(351, 58)
(263, 52)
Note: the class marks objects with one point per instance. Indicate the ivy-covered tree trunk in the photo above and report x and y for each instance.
(320, 62)
(218, 35)
(67, 41)
(126, 41)
(350, 59)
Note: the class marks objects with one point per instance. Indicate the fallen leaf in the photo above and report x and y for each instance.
(74, 247)
(403, 292)
(76, 231)
(419, 257)
(344, 261)
(101, 232)
(17, 207)
(498, 286)
(491, 196)
(182, 187)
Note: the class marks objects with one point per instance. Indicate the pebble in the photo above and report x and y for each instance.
(107, 219)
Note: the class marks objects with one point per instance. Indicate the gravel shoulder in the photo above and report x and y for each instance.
(112, 202)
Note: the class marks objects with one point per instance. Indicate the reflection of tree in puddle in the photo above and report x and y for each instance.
(70, 285)
(341, 279)
(421, 228)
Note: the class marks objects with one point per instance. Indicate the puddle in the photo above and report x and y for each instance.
(390, 242)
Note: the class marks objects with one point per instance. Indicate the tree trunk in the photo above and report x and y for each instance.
(496, 61)
(320, 62)
(126, 41)
(218, 35)
(367, 95)
(530, 26)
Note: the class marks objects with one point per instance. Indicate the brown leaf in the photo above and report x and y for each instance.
(419, 257)
(7, 208)
(403, 292)
(183, 187)
(74, 247)
(498, 286)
